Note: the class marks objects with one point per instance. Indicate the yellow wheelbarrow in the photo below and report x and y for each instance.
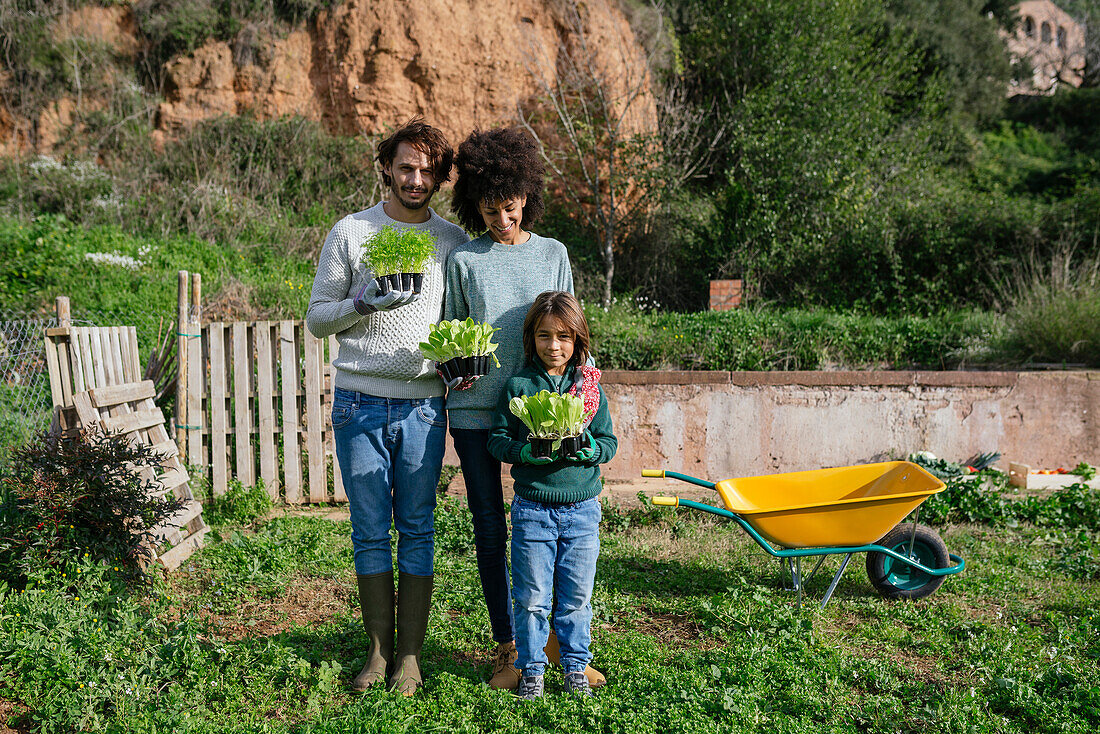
(847, 510)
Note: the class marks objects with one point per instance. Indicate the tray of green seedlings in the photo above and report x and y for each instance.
(556, 422)
(460, 348)
(399, 258)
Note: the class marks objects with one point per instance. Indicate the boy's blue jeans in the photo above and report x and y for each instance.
(554, 552)
(390, 452)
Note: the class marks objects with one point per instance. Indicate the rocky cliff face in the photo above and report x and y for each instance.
(367, 65)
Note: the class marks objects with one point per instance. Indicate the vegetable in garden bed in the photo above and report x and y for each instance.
(399, 257)
(460, 348)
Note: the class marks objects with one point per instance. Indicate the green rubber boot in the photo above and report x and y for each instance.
(414, 602)
(376, 606)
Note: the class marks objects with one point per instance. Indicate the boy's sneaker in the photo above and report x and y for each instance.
(577, 682)
(530, 687)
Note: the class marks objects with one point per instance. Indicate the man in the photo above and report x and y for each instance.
(387, 413)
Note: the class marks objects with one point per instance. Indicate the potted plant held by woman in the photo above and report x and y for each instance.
(460, 348)
(398, 258)
(556, 422)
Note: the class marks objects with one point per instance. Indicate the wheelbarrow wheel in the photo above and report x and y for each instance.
(896, 579)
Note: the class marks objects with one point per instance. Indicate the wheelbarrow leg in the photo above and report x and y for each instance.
(798, 579)
(836, 579)
(817, 566)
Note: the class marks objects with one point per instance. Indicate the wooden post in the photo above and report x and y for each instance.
(292, 470)
(183, 317)
(219, 466)
(195, 452)
(266, 379)
(242, 413)
(64, 313)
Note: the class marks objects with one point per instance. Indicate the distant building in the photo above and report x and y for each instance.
(1051, 42)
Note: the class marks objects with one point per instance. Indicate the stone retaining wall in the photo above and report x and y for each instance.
(723, 424)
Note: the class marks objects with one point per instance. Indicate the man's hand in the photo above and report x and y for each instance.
(371, 299)
(527, 457)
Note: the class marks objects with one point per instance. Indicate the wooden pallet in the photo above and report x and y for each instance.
(83, 358)
(129, 408)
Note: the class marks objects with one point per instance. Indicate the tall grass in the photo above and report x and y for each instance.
(1053, 310)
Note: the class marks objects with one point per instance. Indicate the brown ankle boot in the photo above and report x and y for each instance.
(553, 654)
(414, 603)
(505, 674)
(376, 606)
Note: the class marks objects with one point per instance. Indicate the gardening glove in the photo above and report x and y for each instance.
(371, 299)
(527, 457)
(588, 453)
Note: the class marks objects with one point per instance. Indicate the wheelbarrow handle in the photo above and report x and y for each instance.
(667, 501)
(677, 475)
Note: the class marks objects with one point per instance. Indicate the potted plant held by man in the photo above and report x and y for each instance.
(398, 258)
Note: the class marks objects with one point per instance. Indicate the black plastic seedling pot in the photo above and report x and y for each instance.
(400, 282)
(541, 447)
(464, 367)
(572, 444)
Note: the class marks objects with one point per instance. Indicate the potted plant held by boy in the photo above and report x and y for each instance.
(460, 348)
(398, 258)
(556, 422)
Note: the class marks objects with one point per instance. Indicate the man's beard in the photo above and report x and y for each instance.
(411, 205)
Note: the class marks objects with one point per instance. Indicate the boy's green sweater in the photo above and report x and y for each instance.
(561, 481)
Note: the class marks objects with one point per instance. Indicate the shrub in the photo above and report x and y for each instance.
(67, 497)
(625, 337)
(239, 505)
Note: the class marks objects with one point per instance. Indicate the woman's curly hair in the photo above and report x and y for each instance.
(493, 166)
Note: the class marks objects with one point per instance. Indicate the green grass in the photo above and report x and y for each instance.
(260, 632)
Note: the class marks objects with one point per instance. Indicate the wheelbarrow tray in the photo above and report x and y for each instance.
(845, 506)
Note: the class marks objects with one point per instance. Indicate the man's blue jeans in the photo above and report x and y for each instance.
(554, 552)
(481, 472)
(390, 453)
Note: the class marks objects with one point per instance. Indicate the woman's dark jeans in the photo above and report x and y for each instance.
(481, 472)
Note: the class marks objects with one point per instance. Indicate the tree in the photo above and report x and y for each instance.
(599, 125)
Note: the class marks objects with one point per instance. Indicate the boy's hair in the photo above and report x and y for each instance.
(566, 309)
(428, 140)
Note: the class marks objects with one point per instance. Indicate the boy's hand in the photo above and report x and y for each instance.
(371, 299)
(588, 453)
(527, 457)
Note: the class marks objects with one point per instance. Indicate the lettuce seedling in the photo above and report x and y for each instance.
(392, 250)
(455, 338)
(550, 415)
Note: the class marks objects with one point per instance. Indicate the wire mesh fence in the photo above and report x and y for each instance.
(25, 402)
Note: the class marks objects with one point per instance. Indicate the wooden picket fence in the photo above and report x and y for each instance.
(254, 401)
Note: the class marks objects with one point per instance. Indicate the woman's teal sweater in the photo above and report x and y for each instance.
(561, 481)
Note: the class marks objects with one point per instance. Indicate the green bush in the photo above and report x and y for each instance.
(239, 505)
(625, 337)
(68, 498)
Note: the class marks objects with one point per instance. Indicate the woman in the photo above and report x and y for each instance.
(495, 278)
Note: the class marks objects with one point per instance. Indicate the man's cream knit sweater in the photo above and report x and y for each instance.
(379, 353)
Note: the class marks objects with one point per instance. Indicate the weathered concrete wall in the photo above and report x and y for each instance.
(721, 424)
(718, 425)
